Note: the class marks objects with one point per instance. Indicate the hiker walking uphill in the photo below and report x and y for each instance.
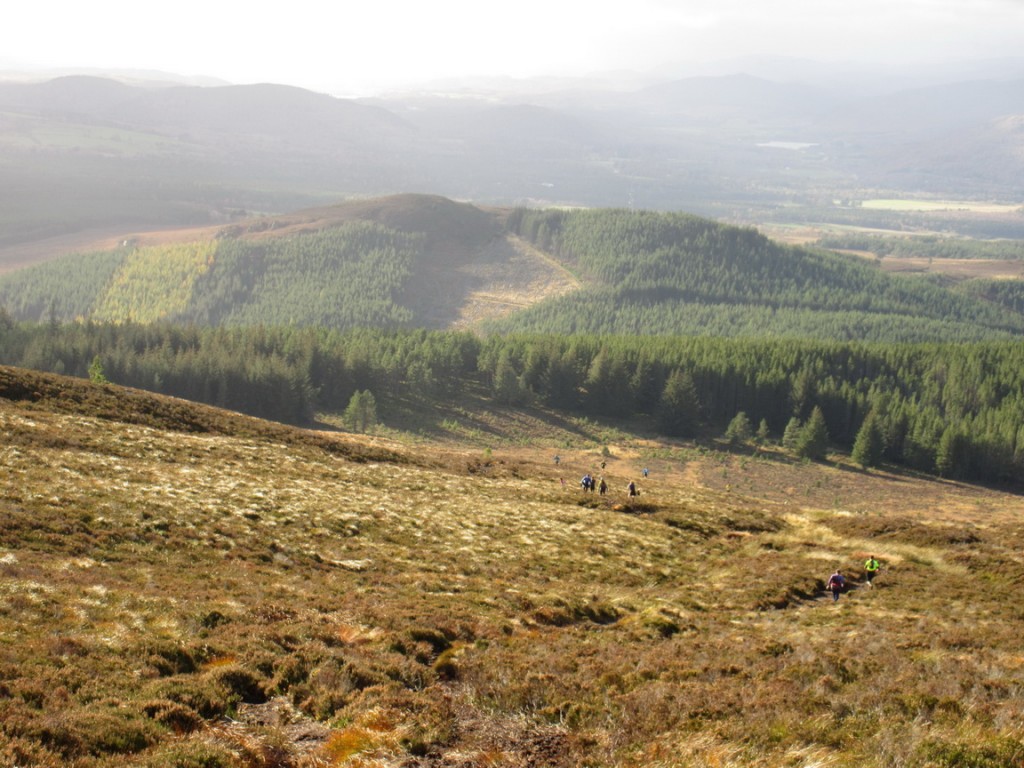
(836, 584)
(871, 569)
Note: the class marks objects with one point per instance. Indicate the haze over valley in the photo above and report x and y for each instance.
(88, 154)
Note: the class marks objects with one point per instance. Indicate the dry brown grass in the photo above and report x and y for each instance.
(252, 596)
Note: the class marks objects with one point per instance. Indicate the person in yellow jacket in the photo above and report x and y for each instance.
(871, 568)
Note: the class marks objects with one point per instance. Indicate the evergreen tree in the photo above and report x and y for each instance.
(1018, 453)
(869, 445)
(562, 381)
(763, 433)
(361, 413)
(791, 435)
(96, 375)
(739, 430)
(507, 385)
(950, 453)
(645, 387)
(813, 440)
(678, 408)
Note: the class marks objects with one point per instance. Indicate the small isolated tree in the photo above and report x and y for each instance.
(763, 433)
(361, 413)
(869, 445)
(813, 440)
(791, 435)
(739, 430)
(96, 375)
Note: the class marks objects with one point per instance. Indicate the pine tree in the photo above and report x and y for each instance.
(96, 375)
(508, 387)
(361, 413)
(949, 454)
(739, 430)
(813, 440)
(678, 408)
(763, 433)
(791, 435)
(869, 445)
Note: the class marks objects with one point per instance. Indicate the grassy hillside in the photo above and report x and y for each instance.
(184, 587)
(426, 261)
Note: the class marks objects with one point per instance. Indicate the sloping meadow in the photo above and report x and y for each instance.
(197, 598)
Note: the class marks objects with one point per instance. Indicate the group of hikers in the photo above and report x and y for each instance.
(589, 484)
(837, 581)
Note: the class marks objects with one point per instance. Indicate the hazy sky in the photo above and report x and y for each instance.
(350, 47)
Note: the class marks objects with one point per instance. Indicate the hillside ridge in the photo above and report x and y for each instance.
(171, 597)
(425, 261)
(111, 402)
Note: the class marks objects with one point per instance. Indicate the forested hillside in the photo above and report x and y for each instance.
(338, 278)
(389, 264)
(655, 273)
(289, 317)
(418, 261)
(952, 409)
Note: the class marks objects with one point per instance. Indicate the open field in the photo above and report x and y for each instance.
(21, 255)
(959, 269)
(926, 206)
(180, 586)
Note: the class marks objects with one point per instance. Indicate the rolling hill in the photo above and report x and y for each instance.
(428, 262)
(180, 586)
(81, 154)
(238, 114)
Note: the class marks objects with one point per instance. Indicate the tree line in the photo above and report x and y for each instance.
(951, 409)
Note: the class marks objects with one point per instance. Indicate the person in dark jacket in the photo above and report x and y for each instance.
(836, 584)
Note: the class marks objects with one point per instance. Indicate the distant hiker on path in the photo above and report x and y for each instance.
(558, 460)
(645, 472)
(603, 487)
(836, 584)
(871, 568)
(631, 489)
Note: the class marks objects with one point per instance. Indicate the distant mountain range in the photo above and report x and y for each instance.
(423, 261)
(82, 152)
